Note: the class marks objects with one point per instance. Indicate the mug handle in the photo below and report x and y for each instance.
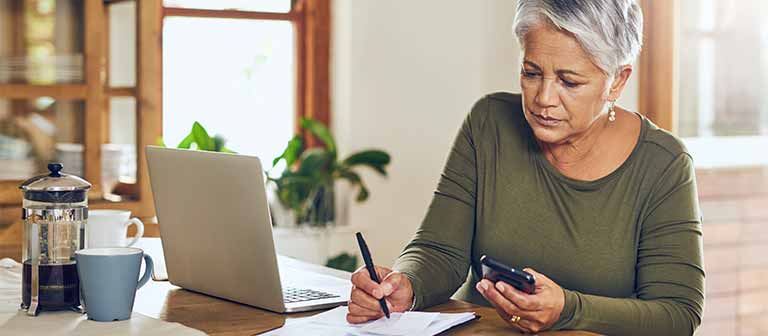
(149, 267)
(139, 230)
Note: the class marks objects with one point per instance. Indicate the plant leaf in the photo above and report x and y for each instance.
(321, 132)
(294, 191)
(314, 161)
(160, 142)
(292, 152)
(343, 261)
(187, 142)
(202, 139)
(218, 143)
(363, 194)
(355, 180)
(297, 180)
(376, 159)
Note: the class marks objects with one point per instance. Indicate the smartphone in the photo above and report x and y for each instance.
(495, 270)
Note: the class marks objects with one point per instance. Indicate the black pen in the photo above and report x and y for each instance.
(371, 270)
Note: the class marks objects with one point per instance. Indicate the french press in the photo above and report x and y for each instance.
(55, 210)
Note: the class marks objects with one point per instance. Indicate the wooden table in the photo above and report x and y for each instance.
(160, 299)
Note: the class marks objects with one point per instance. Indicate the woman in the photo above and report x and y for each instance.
(597, 201)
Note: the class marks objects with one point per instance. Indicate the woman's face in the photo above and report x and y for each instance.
(564, 93)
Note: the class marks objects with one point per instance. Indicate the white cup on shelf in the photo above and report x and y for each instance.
(109, 228)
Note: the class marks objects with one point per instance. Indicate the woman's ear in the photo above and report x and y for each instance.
(619, 82)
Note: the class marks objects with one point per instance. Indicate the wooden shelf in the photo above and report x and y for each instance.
(11, 194)
(94, 93)
(28, 91)
(120, 91)
(228, 14)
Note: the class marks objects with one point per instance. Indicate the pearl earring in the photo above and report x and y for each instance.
(611, 112)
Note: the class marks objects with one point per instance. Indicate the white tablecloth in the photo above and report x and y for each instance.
(16, 322)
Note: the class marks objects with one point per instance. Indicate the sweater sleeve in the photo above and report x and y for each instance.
(437, 259)
(669, 285)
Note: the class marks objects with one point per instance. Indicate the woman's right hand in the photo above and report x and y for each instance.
(364, 300)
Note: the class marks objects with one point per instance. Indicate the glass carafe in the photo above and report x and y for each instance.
(55, 211)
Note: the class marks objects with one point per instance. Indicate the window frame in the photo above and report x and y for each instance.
(312, 21)
(659, 85)
(657, 77)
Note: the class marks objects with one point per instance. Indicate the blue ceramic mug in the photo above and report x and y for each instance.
(109, 278)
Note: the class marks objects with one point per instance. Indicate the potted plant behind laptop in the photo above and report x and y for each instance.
(304, 193)
(199, 139)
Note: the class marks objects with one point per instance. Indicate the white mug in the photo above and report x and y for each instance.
(109, 228)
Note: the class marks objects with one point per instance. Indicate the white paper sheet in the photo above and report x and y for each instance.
(15, 322)
(334, 322)
(401, 324)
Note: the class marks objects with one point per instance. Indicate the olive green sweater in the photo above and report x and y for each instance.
(626, 248)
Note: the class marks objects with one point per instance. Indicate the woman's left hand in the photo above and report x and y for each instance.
(537, 312)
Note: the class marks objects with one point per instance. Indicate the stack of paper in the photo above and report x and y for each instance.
(334, 322)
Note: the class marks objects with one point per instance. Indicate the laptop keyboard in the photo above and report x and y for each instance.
(291, 295)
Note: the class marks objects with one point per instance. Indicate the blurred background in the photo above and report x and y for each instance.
(89, 83)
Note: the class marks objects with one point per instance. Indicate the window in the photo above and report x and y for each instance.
(702, 75)
(234, 76)
(243, 70)
(722, 100)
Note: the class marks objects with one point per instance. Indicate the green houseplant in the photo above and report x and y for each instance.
(306, 186)
(199, 139)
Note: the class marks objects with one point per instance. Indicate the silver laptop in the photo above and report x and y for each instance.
(217, 233)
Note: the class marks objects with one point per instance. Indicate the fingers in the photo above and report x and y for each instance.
(357, 310)
(533, 271)
(523, 325)
(542, 280)
(520, 299)
(506, 317)
(364, 300)
(358, 319)
(362, 280)
(362, 308)
(395, 287)
(392, 282)
(537, 311)
(490, 292)
(528, 326)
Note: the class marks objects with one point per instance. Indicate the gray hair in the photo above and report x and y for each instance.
(610, 31)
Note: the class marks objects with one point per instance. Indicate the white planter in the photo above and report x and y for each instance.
(314, 244)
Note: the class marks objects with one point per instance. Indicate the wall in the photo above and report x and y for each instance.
(405, 74)
(734, 204)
